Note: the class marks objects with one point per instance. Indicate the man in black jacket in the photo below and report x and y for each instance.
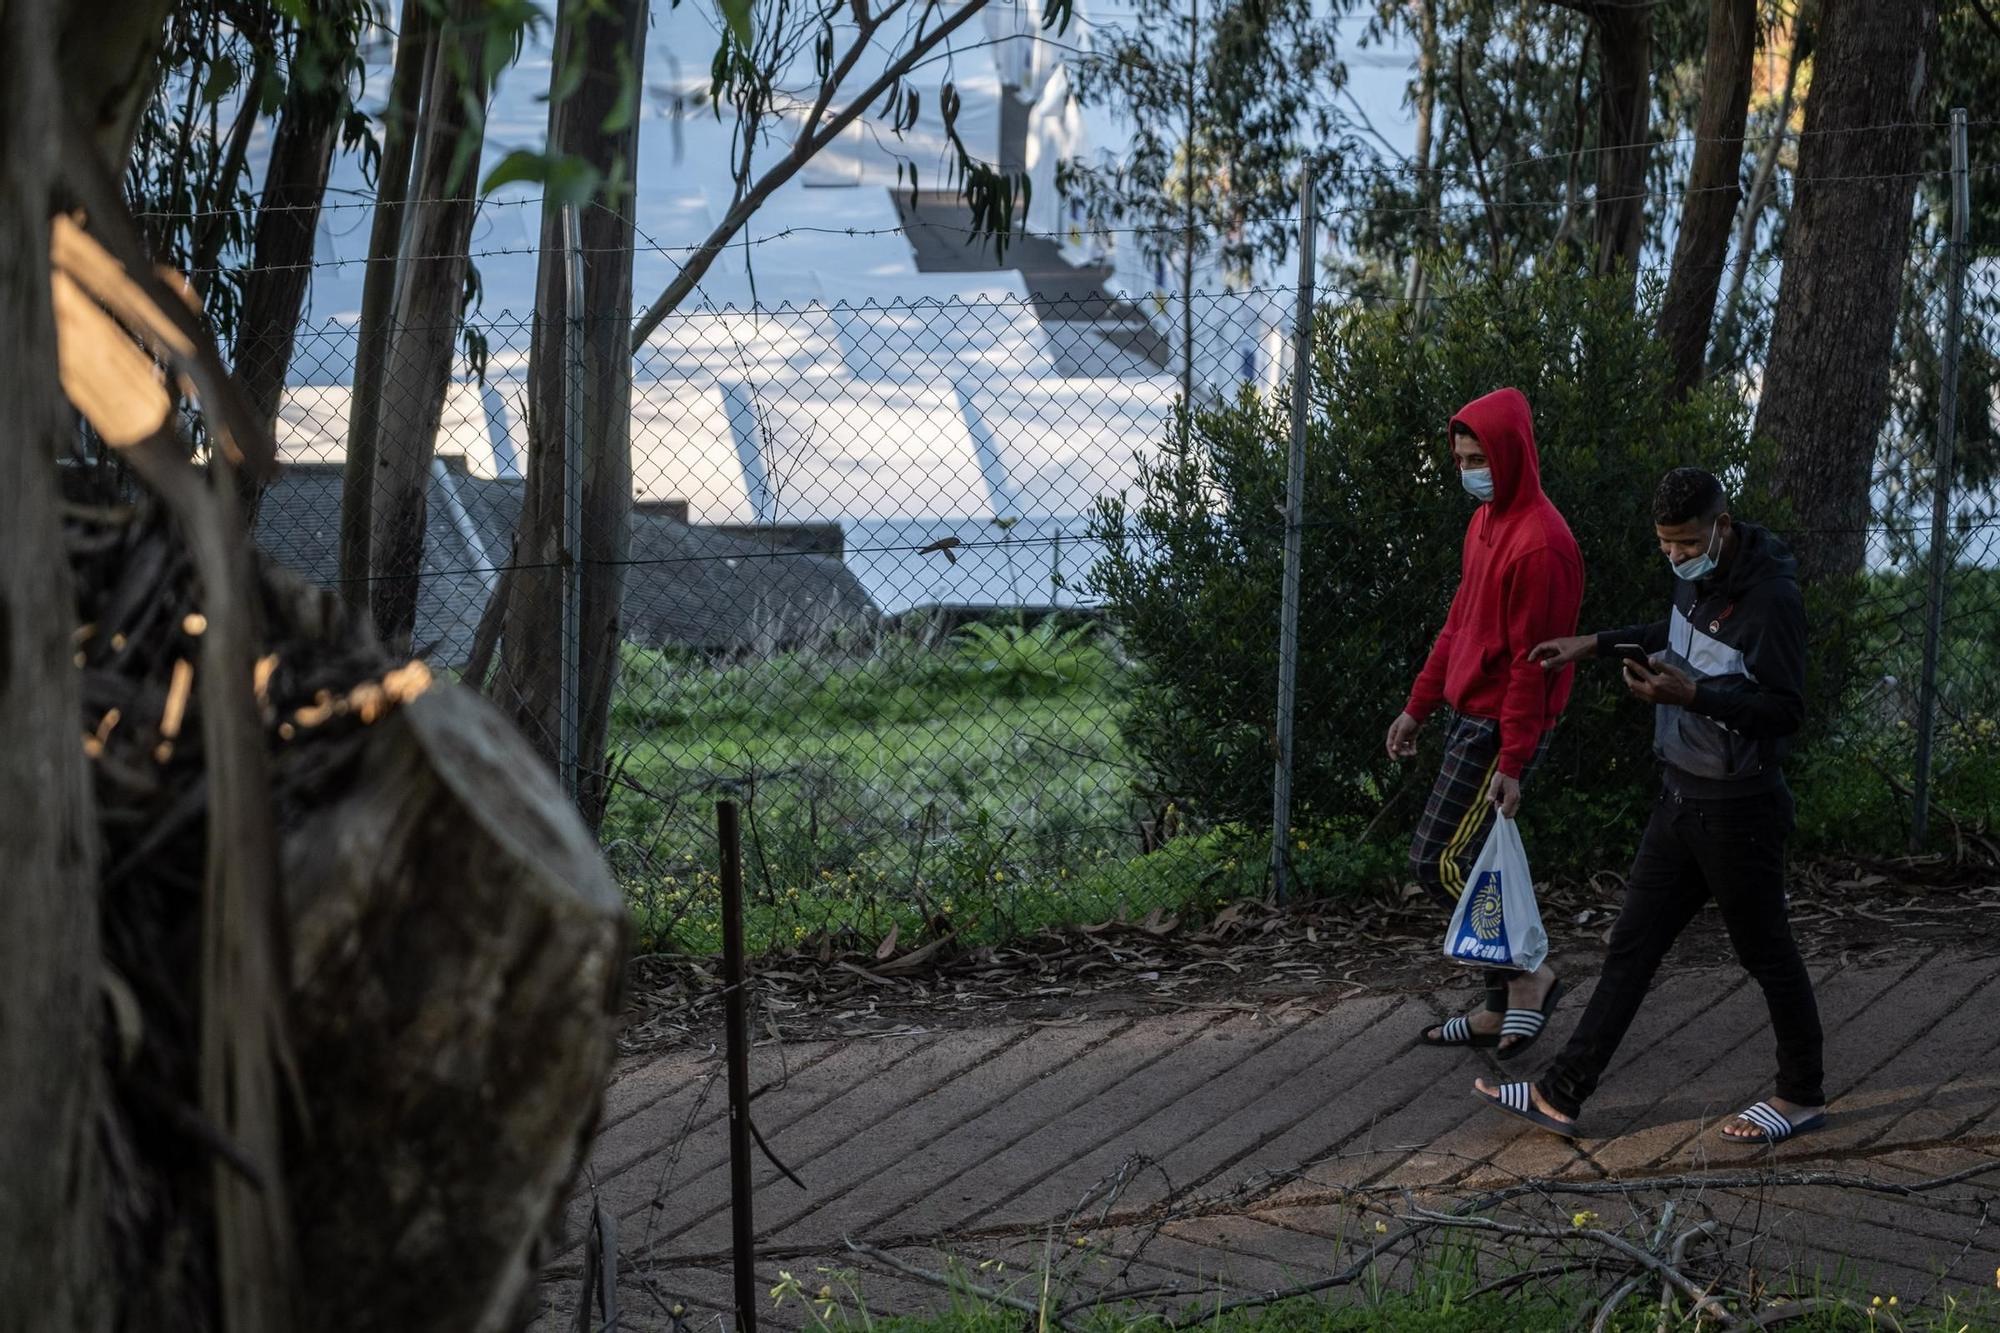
(1725, 672)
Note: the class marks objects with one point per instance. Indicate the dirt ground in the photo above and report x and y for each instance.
(1257, 955)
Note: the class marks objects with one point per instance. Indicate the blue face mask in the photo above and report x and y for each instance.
(1701, 566)
(1478, 482)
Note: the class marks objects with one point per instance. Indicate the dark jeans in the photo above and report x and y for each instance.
(1734, 851)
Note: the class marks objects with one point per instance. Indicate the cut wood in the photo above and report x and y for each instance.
(457, 944)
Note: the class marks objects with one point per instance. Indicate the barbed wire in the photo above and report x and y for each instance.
(1324, 289)
(1465, 179)
(1358, 175)
(1080, 232)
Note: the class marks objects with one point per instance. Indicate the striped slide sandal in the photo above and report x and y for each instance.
(1526, 1024)
(1771, 1125)
(1457, 1032)
(1517, 1099)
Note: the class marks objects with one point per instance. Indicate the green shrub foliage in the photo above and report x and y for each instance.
(1192, 560)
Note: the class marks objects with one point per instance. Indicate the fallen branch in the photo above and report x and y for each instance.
(1677, 1257)
(1049, 1318)
(1637, 1254)
(1623, 1292)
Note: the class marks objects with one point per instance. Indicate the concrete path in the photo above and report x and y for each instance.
(1257, 1149)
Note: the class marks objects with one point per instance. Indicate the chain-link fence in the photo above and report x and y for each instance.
(1922, 714)
(863, 591)
(857, 592)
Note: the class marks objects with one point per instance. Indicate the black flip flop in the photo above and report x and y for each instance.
(1527, 1024)
(1517, 1100)
(1457, 1032)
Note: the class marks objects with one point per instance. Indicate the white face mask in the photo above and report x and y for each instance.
(1478, 482)
(1701, 566)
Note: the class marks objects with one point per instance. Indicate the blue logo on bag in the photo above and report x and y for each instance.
(1487, 918)
(1482, 934)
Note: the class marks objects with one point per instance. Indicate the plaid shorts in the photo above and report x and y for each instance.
(1458, 816)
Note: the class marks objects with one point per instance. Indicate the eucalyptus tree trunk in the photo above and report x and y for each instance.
(1708, 209)
(529, 685)
(1825, 391)
(1624, 140)
(423, 334)
(1417, 280)
(416, 40)
(1623, 31)
(274, 290)
(1763, 183)
(51, 1215)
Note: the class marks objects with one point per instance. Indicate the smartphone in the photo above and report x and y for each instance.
(1628, 652)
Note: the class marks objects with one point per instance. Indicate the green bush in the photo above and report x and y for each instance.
(1191, 571)
(1016, 661)
(1854, 781)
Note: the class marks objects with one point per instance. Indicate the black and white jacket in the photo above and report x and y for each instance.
(1741, 633)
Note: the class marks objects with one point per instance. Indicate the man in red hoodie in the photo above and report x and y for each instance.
(1520, 584)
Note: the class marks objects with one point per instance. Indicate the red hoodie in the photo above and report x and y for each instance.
(1520, 583)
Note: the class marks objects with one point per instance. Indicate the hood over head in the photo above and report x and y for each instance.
(1761, 555)
(1506, 430)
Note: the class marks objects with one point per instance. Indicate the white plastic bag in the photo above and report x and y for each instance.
(1497, 923)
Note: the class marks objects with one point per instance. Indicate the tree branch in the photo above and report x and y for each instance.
(699, 263)
(1573, 175)
(868, 27)
(1478, 157)
(1637, 1254)
(208, 246)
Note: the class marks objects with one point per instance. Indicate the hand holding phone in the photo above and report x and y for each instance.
(1657, 683)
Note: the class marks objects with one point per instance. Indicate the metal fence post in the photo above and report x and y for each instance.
(1941, 471)
(1295, 485)
(736, 1036)
(569, 707)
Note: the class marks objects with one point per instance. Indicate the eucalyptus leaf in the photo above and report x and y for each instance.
(564, 179)
(736, 13)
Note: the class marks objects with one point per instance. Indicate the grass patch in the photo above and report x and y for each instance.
(1446, 1301)
(977, 785)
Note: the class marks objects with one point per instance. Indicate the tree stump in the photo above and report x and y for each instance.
(456, 949)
